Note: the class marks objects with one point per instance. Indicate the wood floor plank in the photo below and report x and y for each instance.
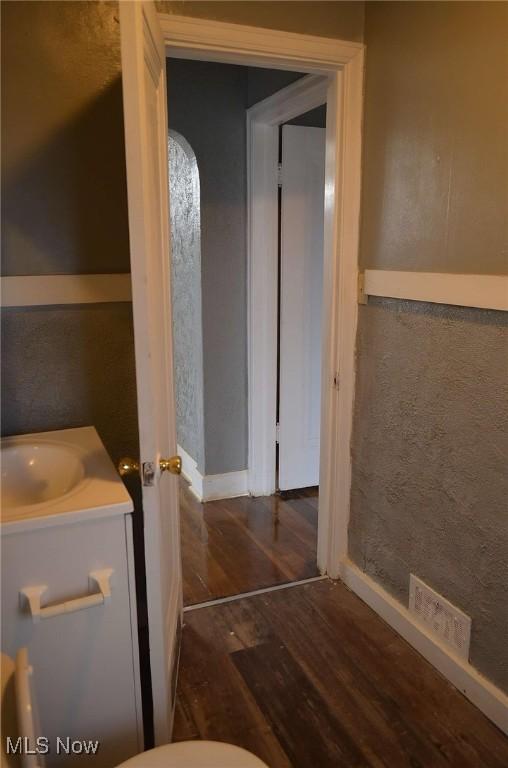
(344, 687)
(213, 699)
(372, 717)
(279, 534)
(400, 676)
(407, 679)
(233, 546)
(305, 507)
(306, 728)
(312, 677)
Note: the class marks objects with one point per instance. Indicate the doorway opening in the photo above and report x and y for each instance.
(147, 38)
(235, 537)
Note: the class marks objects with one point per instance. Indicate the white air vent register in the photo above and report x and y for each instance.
(439, 616)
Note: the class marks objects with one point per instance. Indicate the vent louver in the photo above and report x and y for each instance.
(439, 616)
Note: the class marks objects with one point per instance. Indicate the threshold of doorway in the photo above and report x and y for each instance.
(254, 592)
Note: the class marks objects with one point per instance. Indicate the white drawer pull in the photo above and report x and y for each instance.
(33, 596)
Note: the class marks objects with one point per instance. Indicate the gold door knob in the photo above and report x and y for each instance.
(173, 465)
(127, 466)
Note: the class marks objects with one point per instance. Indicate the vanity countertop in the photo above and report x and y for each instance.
(51, 478)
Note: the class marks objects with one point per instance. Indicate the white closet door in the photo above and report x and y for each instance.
(303, 177)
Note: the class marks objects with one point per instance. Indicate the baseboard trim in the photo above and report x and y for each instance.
(481, 692)
(226, 486)
(213, 487)
(191, 473)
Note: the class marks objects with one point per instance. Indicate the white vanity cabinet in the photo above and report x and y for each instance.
(85, 656)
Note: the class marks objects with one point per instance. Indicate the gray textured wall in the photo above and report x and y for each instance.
(430, 485)
(206, 104)
(69, 367)
(186, 296)
(430, 441)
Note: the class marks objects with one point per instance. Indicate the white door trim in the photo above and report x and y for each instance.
(263, 120)
(342, 63)
(203, 39)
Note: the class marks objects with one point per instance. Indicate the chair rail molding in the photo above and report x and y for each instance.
(480, 291)
(47, 290)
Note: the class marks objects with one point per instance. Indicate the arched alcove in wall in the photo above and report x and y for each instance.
(185, 216)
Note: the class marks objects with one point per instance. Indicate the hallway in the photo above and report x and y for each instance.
(310, 677)
(239, 545)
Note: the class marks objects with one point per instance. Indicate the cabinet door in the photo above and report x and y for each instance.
(85, 663)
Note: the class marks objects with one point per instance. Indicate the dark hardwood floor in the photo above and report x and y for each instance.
(239, 545)
(310, 677)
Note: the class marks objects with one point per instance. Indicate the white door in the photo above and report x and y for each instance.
(301, 291)
(146, 127)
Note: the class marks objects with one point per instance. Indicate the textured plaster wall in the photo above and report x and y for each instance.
(64, 200)
(64, 210)
(435, 159)
(430, 435)
(343, 20)
(186, 296)
(70, 367)
(430, 447)
(206, 105)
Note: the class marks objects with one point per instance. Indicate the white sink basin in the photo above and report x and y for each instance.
(50, 474)
(34, 472)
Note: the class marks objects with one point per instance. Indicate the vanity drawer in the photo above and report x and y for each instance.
(86, 677)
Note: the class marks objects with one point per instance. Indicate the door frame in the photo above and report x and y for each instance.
(342, 63)
(263, 121)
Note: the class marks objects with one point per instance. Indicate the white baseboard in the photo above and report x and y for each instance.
(225, 486)
(191, 473)
(210, 487)
(481, 692)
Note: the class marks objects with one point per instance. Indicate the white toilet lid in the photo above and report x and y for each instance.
(195, 754)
